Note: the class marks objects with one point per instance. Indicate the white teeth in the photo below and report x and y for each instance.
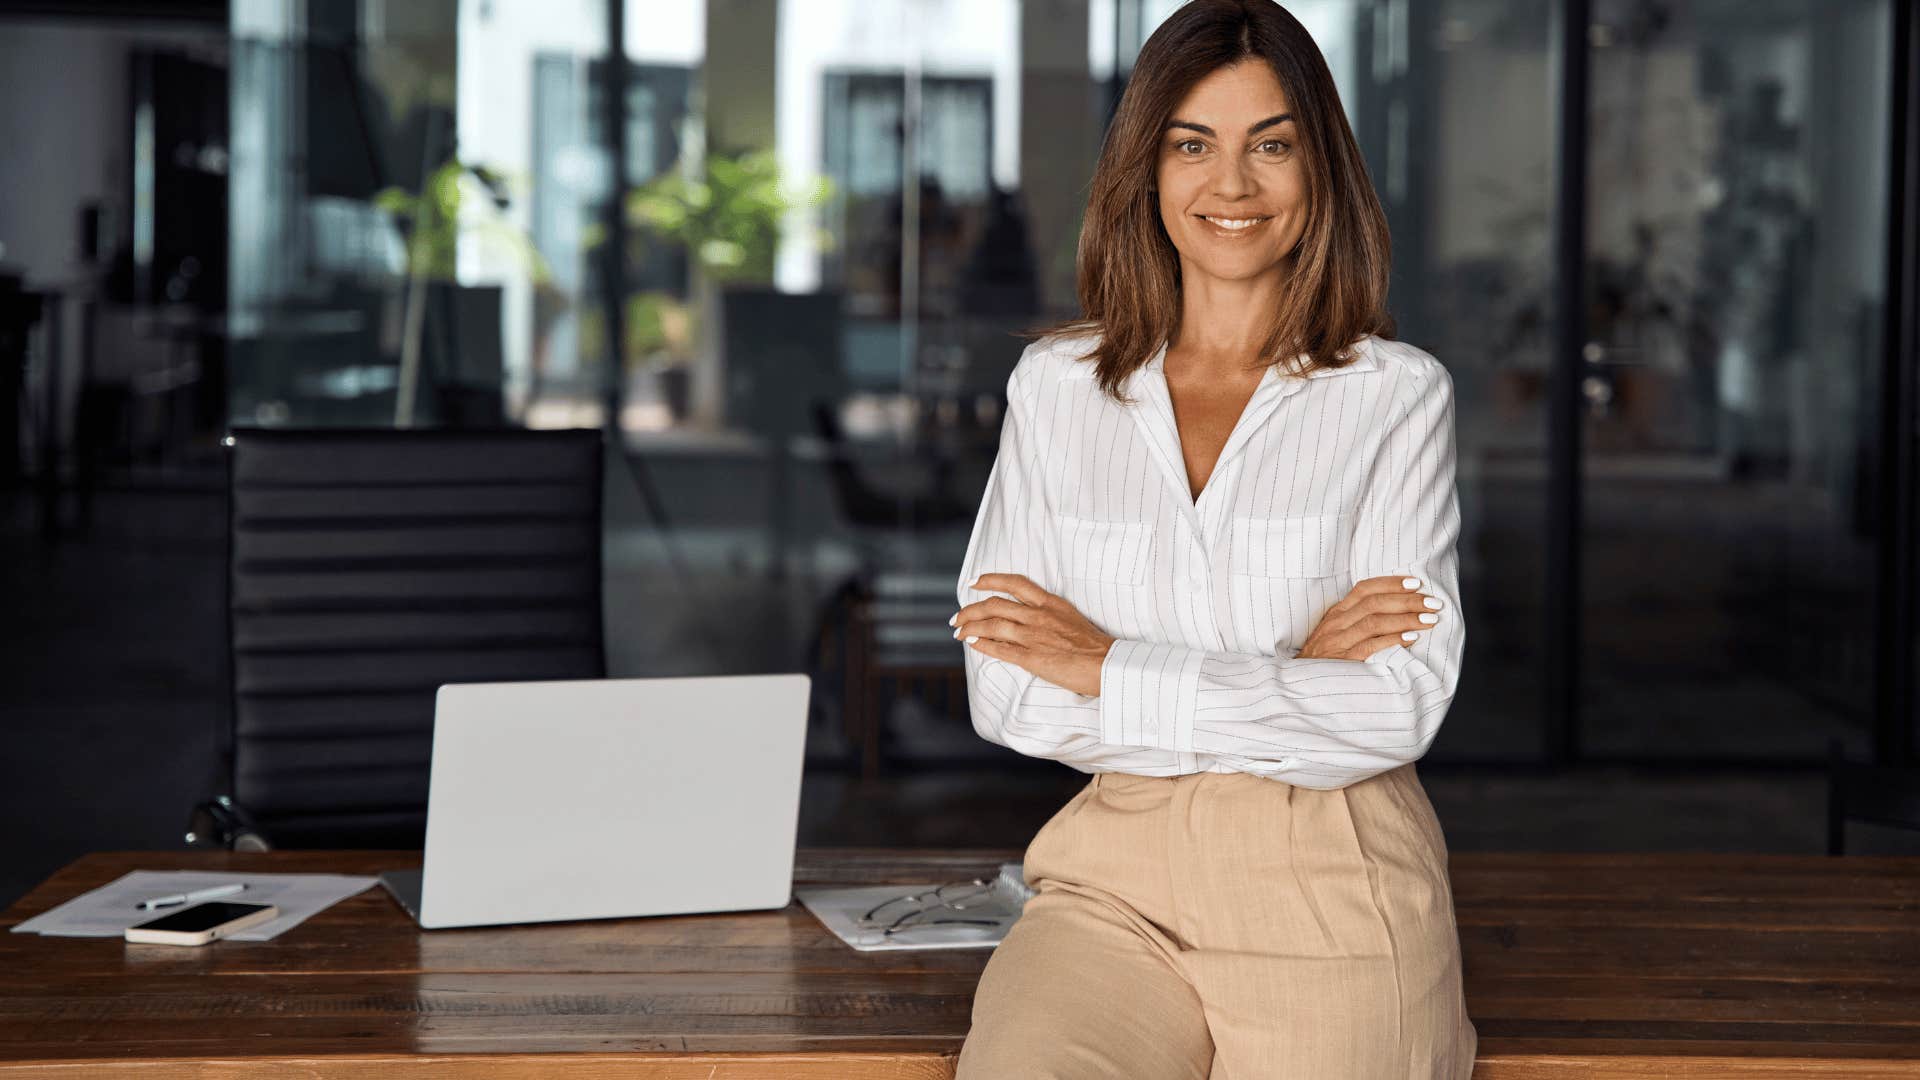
(1235, 223)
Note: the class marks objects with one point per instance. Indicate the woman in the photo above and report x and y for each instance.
(1215, 567)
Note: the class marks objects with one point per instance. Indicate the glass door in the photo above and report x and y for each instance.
(1735, 264)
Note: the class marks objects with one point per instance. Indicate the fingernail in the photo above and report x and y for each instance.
(1411, 635)
(1434, 603)
(973, 639)
(954, 619)
(1429, 618)
(1410, 583)
(956, 633)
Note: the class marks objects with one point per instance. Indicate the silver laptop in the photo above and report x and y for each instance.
(609, 798)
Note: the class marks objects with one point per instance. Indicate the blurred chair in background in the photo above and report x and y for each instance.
(886, 624)
(368, 568)
(885, 628)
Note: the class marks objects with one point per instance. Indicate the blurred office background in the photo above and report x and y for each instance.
(777, 249)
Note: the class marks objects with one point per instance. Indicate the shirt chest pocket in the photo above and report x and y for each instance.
(1283, 574)
(1303, 546)
(1115, 552)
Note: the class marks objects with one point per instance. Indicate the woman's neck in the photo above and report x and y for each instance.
(1223, 322)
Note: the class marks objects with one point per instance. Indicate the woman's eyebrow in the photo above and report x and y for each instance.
(1209, 132)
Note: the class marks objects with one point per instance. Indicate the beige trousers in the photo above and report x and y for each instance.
(1224, 926)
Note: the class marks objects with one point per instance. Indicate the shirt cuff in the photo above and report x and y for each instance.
(1147, 695)
(1394, 657)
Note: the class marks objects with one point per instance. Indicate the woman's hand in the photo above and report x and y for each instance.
(1379, 612)
(1037, 631)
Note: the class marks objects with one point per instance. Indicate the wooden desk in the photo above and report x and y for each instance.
(1577, 966)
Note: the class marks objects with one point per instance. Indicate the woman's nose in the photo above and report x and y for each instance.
(1231, 177)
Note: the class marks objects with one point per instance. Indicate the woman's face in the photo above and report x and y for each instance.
(1229, 156)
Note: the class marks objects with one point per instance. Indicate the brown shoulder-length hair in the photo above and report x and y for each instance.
(1129, 270)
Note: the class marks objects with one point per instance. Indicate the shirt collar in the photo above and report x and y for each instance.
(1363, 360)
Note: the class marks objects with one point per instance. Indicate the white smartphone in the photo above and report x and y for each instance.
(201, 923)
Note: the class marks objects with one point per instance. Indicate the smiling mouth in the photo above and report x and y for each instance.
(1233, 224)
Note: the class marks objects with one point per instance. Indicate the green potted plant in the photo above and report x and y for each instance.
(727, 214)
(660, 338)
(457, 199)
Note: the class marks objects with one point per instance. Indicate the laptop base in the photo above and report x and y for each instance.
(405, 886)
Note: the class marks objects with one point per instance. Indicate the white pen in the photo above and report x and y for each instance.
(189, 897)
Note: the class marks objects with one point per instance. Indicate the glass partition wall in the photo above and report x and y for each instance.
(832, 214)
(1737, 268)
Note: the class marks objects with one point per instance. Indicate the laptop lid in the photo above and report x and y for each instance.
(609, 798)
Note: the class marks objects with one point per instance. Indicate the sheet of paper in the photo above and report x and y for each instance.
(108, 911)
(840, 910)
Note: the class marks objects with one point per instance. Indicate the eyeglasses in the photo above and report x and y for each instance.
(935, 908)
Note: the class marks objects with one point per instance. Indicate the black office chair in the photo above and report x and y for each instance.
(367, 568)
(1878, 794)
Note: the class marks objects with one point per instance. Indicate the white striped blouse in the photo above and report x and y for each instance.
(1325, 480)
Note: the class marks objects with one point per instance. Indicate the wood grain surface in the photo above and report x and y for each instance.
(1592, 966)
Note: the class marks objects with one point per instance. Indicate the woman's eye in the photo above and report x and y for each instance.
(1278, 146)
(1184, 143)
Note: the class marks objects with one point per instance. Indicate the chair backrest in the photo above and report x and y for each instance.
(369, 567)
